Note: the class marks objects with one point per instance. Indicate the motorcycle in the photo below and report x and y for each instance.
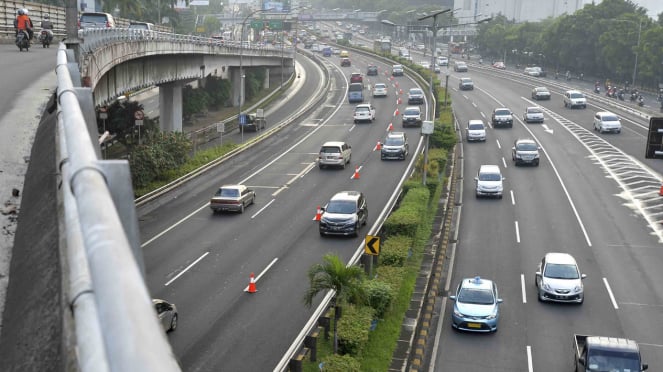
(641, 101)
(46, 37)
(597, 89)
(23, 40)
(620, 94)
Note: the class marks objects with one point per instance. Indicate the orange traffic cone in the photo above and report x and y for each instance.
(252, 284)
(399, 101)
(390, 127)
(378, 147)
(396, 84)
(396, 112)
(356, 175)
(400, 91)
(318, 214)
(661, 191)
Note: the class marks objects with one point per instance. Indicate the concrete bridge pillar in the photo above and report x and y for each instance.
(170, 106)
(265, 84)
(237, 91)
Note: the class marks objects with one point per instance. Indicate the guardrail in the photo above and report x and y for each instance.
(101, 232)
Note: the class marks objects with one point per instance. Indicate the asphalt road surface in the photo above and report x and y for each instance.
(593, 196)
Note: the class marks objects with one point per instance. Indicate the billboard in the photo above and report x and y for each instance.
(276, 6)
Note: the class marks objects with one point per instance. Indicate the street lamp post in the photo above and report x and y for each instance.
(637, 46)
(241, 69)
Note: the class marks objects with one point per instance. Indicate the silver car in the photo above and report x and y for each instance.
(558, 279)
(380, 90)
(232, 198)
(334, 153)
(476, 305)
(167, 314)
(533, 115)
(606, 121)
(475, 131)
(525, 151)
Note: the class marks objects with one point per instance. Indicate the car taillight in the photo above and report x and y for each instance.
(79, 23)
(108, 25)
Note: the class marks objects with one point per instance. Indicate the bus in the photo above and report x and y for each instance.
(382, 46)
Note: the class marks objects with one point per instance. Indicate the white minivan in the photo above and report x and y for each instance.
(489, 181)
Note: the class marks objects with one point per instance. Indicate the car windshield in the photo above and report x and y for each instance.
(416, 91)
(502, 112)
(330, 150)
(533, 111)
(577, 95)
(341, 207)
(542, 90)
(561, 271)
(229, 193)
(527, 146)
(361, 109)
(93, 18)
(411, 112)
(476, 127)
(476, 296)
(610, 118)
(356, 87)
(465, 80)
(490, 177)
(604, 361)
(380, 86)
(394, 141)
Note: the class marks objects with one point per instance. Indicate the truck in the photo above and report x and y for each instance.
(597, 353)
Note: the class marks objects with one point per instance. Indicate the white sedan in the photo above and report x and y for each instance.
(533, 115)
(380, 90)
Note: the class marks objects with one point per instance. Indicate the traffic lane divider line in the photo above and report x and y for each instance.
(186, 269)
(257, 278)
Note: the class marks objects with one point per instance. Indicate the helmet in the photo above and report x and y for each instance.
(25, 11)
(20, 12)
(46, 16)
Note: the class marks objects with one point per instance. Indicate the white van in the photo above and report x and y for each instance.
(489, 181)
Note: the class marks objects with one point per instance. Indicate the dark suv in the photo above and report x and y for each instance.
(502, 117)
(395, 146)
(372, 70)
(345, 214)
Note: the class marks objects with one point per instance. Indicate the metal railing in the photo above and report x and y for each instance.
(101, 232)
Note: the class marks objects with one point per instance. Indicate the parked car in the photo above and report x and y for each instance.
(533, 114)
(95, 20)
(412, 116)
(415, 96)
(364, 112)
(166, 313)
(559, 279)
(232, 198)
(540, 93)
(525, 151)
(574, 98)
(380, 90)
(334, 153)
(466, 84)
(344, 214)
(476, 305)
(475, 130)
(489, 181)
(395, 146)
(502, 117)
(606, 121)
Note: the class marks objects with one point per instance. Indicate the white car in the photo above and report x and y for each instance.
(489, 182)
(364, 112)
(443, 61)
(558, 279)
(380, 90)
(475, 131)
(533, 115)
(574, 98)
(606, 121)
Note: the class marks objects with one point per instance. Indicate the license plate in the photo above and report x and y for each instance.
(474, 325)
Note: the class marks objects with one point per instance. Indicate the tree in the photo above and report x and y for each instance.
(332, 274)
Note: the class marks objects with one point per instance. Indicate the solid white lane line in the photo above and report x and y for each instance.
(522, 287)
(157, 236)
(517, 232)
(263, 208)
(530, 368)
(263, 272)
(513, 198)
(186, 269)
(612, 297)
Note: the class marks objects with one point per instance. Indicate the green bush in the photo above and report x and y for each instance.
(444, 136)
(406, 218)
(395, 250)
(340, 363)
(163, 153)
(193, 101)
(353, 328)
(379, 296)
(392, 276)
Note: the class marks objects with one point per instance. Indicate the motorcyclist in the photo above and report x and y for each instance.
(47, 27)
(24, 23)
(46, 23)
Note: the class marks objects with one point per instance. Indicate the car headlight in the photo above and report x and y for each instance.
(577, 289)
(547, 287)
(493, 315)
(458, 313)
(518, 156)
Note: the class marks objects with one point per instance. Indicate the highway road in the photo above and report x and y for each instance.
(593, 196)
(202, 262)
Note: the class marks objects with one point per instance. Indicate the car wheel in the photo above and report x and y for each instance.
(241, 208)
(322, 234)
(619, 131)
(343, 165)
(173, 323)
(253, 199)
(499, 196)
(536, 163)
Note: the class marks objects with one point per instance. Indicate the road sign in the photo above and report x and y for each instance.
(427, 127)
(256, 23)
(372, 246)
(242, 119)
(139, 115)
(654, 148)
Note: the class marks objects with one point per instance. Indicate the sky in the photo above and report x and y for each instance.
(654, 7)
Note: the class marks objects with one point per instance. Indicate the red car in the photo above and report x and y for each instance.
(499, 65)
(356, 77)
